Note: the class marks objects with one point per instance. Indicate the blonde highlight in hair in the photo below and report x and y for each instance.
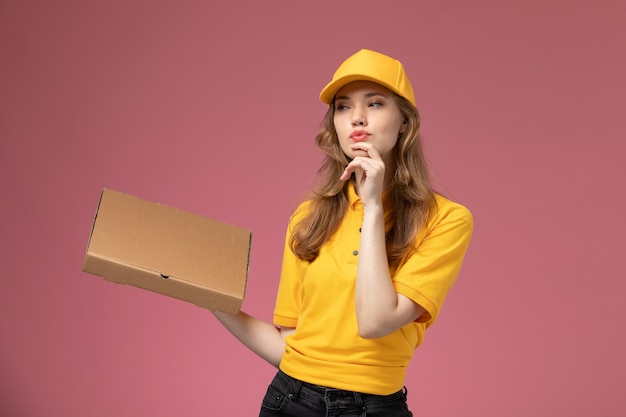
(410, 194)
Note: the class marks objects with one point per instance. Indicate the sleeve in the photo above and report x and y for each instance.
(289, 299)
(430, 272)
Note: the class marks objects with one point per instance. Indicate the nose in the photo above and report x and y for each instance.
(358, 117)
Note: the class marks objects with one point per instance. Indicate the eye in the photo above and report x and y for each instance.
(375, 104)
(340, 106)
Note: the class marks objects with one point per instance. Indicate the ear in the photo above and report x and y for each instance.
(403, 127)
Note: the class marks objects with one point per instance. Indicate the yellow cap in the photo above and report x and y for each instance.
(368, 65)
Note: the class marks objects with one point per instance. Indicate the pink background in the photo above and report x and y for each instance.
(212, 107)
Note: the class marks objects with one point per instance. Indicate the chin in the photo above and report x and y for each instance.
(354, 154)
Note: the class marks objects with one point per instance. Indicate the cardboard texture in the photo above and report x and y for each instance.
(169, 251)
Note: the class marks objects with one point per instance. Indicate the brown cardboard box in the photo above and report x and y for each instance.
(169, 251)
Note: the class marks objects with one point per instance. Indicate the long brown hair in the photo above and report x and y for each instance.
(410, 195)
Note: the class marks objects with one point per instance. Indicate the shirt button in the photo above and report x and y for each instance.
(355, 253)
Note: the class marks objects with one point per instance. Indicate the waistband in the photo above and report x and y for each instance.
(297, 384)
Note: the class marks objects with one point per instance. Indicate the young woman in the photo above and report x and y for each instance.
(368, 259)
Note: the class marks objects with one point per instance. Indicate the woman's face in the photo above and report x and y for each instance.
(367, 112)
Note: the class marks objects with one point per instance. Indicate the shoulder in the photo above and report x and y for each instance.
(448, 212)
(302, 211)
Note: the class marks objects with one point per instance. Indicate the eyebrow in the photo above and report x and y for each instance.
(367, 95)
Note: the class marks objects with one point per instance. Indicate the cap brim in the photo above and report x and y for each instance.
(328, 93)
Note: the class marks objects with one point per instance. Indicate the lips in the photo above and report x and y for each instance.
(359, 135)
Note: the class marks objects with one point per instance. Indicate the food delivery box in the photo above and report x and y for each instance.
(169, 251)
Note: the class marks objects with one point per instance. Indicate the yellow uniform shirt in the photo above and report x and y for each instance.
(317, 299)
